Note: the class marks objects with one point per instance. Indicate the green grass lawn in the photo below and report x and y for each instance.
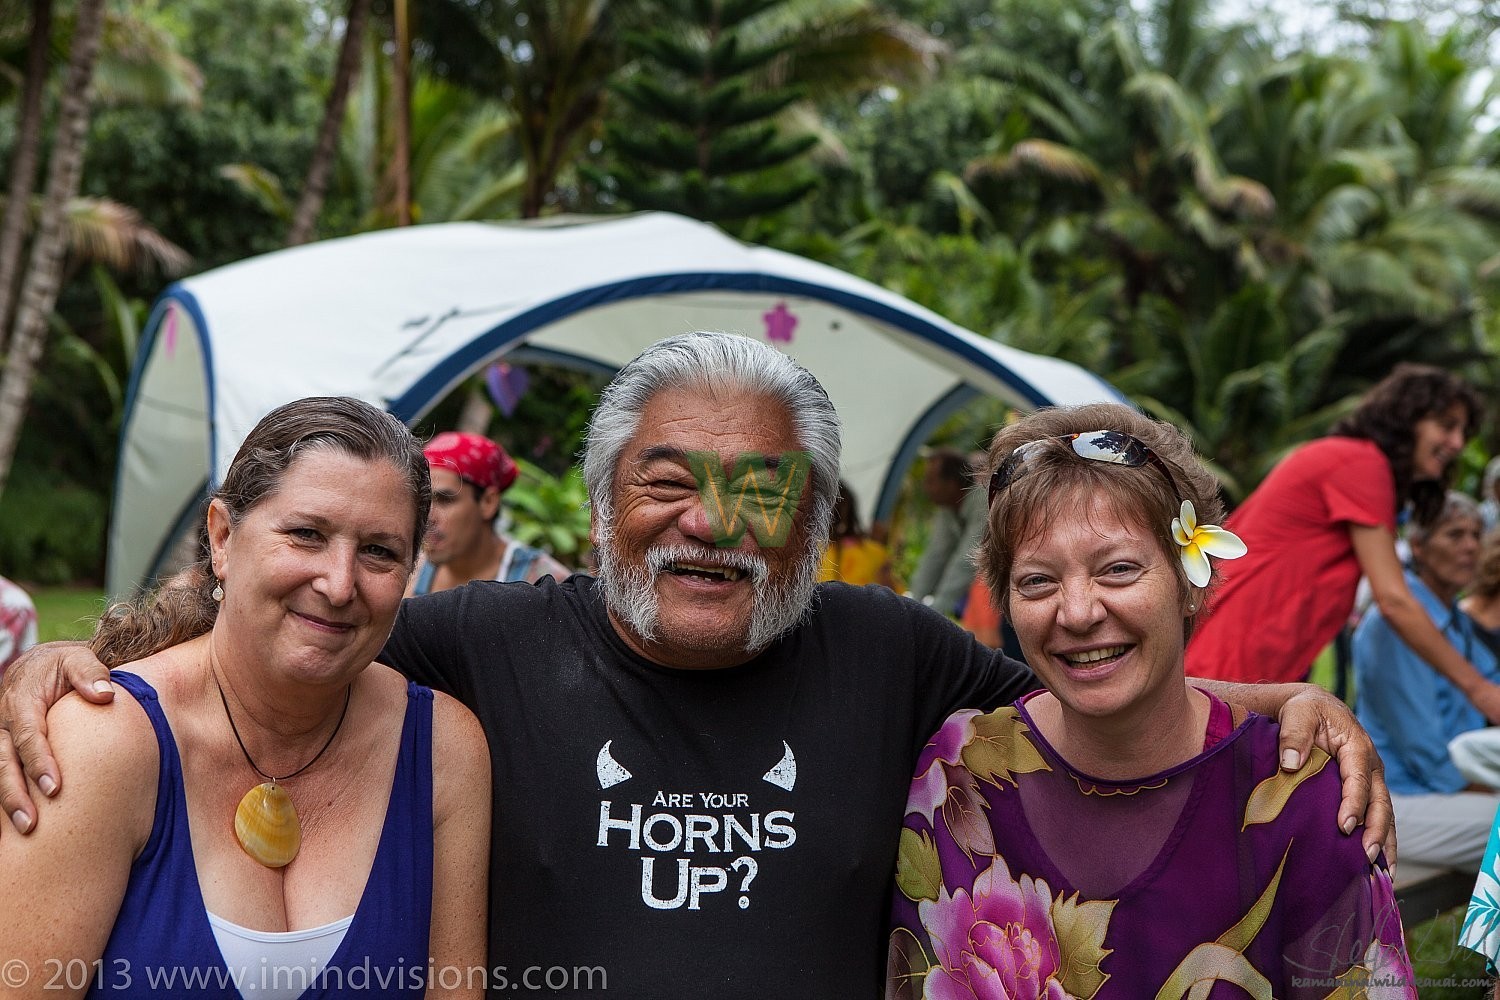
(1440, 964)
(66, 612)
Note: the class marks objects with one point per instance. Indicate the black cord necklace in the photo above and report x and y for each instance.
(235, 729)
(265, 822)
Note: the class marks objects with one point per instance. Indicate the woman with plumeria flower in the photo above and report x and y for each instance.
(1123, 833)
(1325, 516)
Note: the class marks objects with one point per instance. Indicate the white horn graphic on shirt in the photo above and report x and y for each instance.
(610, 772)
(784, 774)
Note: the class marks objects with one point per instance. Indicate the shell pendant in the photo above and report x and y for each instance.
(265, 824)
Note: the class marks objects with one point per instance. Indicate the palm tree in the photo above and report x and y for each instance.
(1282, 230)
(138, 63)
(1387, 200)
(557, 65)
(464, 164)
(24, 160)
(44, 271)
(310, 204)
(400, 165)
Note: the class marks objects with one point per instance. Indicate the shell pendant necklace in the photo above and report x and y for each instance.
(265, 823)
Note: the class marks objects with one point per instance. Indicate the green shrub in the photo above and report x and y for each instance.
(51, 531)
(550, 512)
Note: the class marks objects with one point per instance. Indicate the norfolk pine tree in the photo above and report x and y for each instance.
(703, 140)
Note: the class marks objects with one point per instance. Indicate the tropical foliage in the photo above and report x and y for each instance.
(1239, 226)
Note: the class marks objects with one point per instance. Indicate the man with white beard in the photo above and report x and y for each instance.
(701, 759)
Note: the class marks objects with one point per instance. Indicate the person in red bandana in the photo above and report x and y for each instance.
(469, 473)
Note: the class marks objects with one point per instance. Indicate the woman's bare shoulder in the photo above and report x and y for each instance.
(108, 758)
(112, 737)
(458, 741)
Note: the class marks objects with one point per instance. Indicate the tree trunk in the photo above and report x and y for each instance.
(23, 162)
(478, 411)
(44, 270)
(316, 184)
(402, 85)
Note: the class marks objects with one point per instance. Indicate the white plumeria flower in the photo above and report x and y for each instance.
(1199, 541)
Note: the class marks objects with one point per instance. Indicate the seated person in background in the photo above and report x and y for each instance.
(1122, 834)
(1412, 711)
(1476, 753)
(469, 472)
(1482, 600)
(852, 556)
(17, 623)
(263, 807)
(946, 569)
(1489, 495)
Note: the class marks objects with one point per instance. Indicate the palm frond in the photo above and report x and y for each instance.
(969, 208)
(261, 185)
(1340, 215)
(1048, 158)
(864, 49)
(139, 63)
(487, 201)
(109, 233)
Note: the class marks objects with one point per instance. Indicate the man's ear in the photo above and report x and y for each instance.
(489, 503)
(218, 537)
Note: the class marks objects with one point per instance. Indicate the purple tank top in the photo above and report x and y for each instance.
(163, 946)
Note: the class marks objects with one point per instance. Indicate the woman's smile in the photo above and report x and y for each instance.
(1089, 658)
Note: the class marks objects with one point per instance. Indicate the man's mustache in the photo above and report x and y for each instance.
(660, 558)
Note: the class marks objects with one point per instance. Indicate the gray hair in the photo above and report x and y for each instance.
(1491, 477)
(715, 361)
(1455, 505)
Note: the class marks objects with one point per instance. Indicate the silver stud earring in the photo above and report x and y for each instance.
(1192, 609)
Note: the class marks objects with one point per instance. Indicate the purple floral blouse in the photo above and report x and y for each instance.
(1020, 877)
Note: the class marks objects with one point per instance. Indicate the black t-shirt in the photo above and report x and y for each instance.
(695, 833)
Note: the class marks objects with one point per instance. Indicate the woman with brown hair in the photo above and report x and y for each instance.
(1326, 515)
(263, 813)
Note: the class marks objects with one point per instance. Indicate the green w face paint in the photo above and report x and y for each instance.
(755, 494)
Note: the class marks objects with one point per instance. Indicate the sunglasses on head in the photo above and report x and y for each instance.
(1114, 447)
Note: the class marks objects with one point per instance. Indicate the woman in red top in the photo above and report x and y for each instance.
(1327, 515)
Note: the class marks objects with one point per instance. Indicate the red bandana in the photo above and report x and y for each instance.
(476, 459)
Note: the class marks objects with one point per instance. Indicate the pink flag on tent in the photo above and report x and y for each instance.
(506, 385)
(169, 332)
(780, 322)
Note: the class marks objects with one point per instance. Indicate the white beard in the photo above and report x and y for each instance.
(629, 588)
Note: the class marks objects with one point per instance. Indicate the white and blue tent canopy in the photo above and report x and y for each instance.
(400, 317)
